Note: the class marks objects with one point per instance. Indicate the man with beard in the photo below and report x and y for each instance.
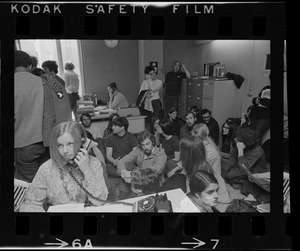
(86, 121)
(190, 120)
(144, 156)
(212, 125)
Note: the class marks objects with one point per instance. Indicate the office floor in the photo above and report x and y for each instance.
(234, 193)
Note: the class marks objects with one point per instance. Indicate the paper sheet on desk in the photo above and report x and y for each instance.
(110, 208)
(75, 207)
(104, 109)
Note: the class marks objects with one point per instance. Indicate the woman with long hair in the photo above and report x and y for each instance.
(213, 157)
(71, 175)
(192, 155)
(228, 131)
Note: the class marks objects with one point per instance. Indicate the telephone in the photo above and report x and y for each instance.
(154, 204)
(86, 145)
(72, 164)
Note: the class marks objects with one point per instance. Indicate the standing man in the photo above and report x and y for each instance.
(71, 79)
(172, 84)
(190, 120)
(260, 112)
(212, 125)
(51, 68)
(28, 118)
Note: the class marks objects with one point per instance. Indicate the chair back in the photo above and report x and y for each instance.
(286, 192)
(20, 189)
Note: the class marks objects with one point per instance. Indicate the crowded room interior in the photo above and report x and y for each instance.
(144, 126)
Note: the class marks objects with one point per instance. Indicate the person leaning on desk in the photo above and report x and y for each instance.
(116, 98)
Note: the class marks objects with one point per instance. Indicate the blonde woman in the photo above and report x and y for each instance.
(213, 157)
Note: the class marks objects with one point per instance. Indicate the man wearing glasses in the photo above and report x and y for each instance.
(212, 125)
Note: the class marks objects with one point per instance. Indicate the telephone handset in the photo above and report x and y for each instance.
(85, 145)
(72, 164)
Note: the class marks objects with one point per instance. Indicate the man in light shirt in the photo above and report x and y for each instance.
(86, 121)
(71, 79)
(154, 85)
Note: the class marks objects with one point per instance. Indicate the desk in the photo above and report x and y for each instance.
(136, 123)
(180, 204)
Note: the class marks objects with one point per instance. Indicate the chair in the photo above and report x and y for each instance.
(20, 189)
(286, 192)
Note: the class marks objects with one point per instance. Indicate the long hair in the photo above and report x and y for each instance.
(192, 154)
(151, 127)
(228, 139)
(73, 128)
(201, 130)
(200, 181)
(110, 119)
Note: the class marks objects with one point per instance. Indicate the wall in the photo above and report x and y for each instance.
(243, 57)
(103, 65)
(150, 51)
(182, 50)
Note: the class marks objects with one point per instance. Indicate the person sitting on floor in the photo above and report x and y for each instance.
(246, 155)
(191, 120)
(213, 157)
(108, 131)
(118, 145)
(212, 125)
(176, 121)
(170, 143)
(228, 132)
(204, 191)
(144, 181)
(145, 155)
(155, 130)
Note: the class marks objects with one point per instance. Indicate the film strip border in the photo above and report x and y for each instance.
(155, 231)
(127, 21)
(87, 21)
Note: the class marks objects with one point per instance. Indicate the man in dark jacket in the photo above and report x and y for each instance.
(172, 84)
(212, 125)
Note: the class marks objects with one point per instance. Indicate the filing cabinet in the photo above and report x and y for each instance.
(222, 98)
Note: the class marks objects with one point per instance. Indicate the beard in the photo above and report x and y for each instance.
(148, 152)
(189, 127)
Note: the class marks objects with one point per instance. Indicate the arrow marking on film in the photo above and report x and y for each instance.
(61, 244)
(199, 243)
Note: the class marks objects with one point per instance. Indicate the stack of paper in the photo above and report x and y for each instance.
(75, 207)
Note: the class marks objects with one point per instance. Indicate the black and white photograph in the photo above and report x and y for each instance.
(145, 125)
(197, 132)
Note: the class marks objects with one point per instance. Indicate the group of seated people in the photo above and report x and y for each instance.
(88, 167)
